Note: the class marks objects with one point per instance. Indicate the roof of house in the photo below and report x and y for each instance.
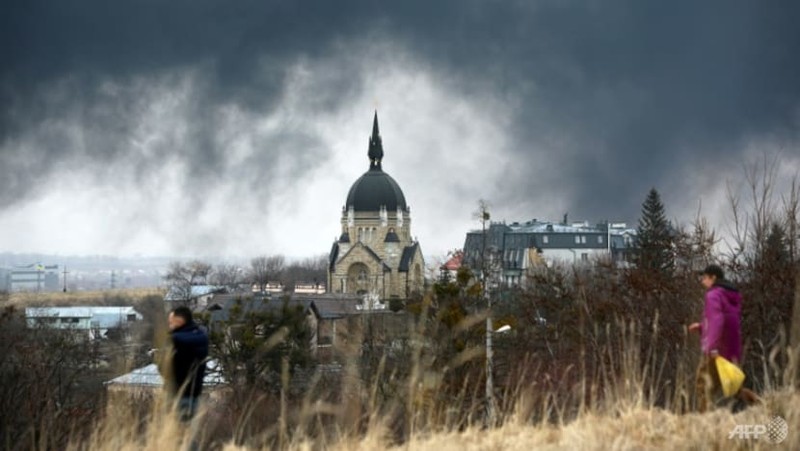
(250, 303)
(101, 316)
(196, 291)
(324, 305)
(148, 376)
(332, 305)
(454, 262)
(536, 226)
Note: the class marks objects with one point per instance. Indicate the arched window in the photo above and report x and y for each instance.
(358, 278)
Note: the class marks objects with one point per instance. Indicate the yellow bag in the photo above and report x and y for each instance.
(731, 377)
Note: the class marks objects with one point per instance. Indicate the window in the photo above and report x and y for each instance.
(584, 257)
(599, 239)
(577, 239)
(546, 239)
(583, 239)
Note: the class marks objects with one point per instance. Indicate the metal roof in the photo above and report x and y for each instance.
(102, 317)
(544, 227)
(251, 303)
(336, 308)
(148, 376)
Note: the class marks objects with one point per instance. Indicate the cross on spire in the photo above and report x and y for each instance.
(375, 153)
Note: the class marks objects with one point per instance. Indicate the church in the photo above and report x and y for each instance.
(375, 253)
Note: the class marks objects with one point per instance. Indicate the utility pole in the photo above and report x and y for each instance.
(65, 272)
(39, 270)
(490, 411)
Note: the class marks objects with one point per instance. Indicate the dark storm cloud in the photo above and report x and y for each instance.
(612, 97)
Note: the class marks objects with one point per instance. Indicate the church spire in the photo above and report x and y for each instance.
(375, 153)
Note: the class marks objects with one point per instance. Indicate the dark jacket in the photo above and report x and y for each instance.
(190, 344)
(720, 330)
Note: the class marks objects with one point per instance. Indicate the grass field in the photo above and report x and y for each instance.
(626, 427)
(78, 298)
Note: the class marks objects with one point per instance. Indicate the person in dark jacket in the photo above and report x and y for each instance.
(188, 366)
(720, 335)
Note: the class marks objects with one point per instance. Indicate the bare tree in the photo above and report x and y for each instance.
(751, 223)
(763, 261)
(51, 389)
(227, 275)
(761, 179)
(265, 269)
(181, 277)
(791, 212)
(309, 270)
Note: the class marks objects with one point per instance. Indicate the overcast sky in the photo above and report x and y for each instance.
(198, 128)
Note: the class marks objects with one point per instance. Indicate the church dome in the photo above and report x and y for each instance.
(375, 189)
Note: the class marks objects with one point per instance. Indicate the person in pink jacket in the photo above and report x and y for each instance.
(720, 335)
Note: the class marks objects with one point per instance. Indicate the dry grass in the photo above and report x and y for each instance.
(621, 415)
(635, 429)
(624, 428)
(79, 298)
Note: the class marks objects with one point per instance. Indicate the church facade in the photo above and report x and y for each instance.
(375, 253)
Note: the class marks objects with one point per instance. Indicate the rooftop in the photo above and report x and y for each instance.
(148, 376)
(536, 226)
(102, 317)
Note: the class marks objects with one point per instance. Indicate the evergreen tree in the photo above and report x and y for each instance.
(257, 335)
(654, 241)
(775, 252)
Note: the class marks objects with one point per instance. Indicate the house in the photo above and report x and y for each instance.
(345, 321)
(95, 321)
(309, 288)
(516, 247)
(227, 307)
(334, 318)
(450, 268)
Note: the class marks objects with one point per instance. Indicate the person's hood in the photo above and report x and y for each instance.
(188, 327)
(729, 292)
(724, 284)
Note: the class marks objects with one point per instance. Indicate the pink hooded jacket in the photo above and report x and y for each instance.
(720, 329)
